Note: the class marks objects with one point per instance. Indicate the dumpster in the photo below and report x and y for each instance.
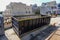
(24, 24)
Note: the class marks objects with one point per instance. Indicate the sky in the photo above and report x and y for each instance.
(3, 3)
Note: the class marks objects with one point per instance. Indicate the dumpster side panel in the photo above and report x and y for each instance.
(15, 25)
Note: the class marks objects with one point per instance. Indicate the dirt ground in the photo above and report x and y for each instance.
(10, 34)
(56, 35)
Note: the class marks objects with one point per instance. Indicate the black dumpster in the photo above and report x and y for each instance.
(25, 24)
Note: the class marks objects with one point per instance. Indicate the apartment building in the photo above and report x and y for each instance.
(48, 8)
(19, 8)
(16, 8)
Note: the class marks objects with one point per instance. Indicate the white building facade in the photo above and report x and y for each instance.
(48, 8)
(18, 9)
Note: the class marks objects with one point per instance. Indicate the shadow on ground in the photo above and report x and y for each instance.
(3, 37)
(42, 35)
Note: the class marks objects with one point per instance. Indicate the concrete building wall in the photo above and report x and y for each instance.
(18, 9)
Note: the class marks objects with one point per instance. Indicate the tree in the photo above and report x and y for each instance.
(37, 11)
(0, 12)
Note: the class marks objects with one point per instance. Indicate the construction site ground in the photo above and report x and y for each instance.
(11, 35)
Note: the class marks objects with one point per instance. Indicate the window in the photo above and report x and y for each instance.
(53, 7)
(25, 8)
(26, 11)
(29, 11)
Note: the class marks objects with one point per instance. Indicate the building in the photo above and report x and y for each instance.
(15, 8)
(48, 8)
(45, 10)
